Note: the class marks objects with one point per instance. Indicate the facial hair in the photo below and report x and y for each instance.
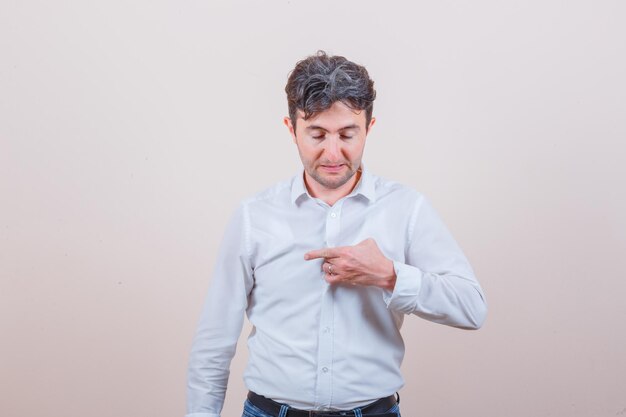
(333, 182)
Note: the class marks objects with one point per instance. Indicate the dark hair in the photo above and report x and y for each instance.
(320, 80)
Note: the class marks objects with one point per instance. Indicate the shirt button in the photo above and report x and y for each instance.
(333, 214)
(326, 329)
(324, 369)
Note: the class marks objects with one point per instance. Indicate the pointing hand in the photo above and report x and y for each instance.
(361, 264)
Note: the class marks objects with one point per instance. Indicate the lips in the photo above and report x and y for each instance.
(332, 168)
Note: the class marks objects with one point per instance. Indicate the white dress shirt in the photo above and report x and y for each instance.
(315, 345)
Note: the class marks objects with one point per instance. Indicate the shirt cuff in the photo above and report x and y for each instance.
(403, 298)
(202, 415)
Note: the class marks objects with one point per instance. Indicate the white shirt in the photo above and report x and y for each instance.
(315, 345)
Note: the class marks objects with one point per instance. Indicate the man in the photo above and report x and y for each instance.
(326, 266)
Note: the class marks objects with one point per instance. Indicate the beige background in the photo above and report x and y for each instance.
(130, 130)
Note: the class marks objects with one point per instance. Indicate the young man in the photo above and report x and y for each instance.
(326, 265)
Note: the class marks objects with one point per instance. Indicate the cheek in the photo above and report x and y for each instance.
(309, 153)
(354, 150)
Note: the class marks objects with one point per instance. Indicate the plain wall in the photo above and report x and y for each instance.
(129, 131)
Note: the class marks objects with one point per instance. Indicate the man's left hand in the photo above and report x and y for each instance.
(361, 264)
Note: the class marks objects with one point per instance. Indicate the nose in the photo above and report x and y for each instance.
(333, 150)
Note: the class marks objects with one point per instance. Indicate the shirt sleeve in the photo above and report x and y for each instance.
(436, 282)
(221, 321)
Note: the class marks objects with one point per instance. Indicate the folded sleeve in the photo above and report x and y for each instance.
(436, 281)
(221, 321)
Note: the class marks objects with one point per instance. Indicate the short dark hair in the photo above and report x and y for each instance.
(320, 80)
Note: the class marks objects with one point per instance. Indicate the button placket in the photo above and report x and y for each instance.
(325, 335)
(323, 388)
(333, 224)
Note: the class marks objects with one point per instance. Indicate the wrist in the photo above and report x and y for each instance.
(389, 277)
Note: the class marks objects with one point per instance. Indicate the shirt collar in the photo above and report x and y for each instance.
(365, 187)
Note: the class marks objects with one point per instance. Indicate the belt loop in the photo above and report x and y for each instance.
(283, 410)
(357, 412)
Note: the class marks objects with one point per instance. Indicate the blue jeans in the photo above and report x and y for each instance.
(250, 410)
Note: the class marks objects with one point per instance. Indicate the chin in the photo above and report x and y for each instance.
(334, 181)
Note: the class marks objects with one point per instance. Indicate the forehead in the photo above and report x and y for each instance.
(336, 117)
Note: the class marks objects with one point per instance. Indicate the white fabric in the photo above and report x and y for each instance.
(313, 345)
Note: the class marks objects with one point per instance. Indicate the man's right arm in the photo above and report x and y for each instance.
(221, 321)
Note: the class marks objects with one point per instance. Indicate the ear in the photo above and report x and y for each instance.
(372, 121)
(292, 132)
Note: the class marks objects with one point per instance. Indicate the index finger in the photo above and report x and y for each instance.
(325, 253)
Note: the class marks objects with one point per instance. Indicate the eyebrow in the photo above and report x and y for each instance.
(315, 127)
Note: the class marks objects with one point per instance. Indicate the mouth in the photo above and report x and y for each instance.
(332, 168)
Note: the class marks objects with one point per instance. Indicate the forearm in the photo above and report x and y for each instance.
(446, 298)
(213, 348)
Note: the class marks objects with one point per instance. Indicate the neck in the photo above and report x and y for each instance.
(331, 195)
